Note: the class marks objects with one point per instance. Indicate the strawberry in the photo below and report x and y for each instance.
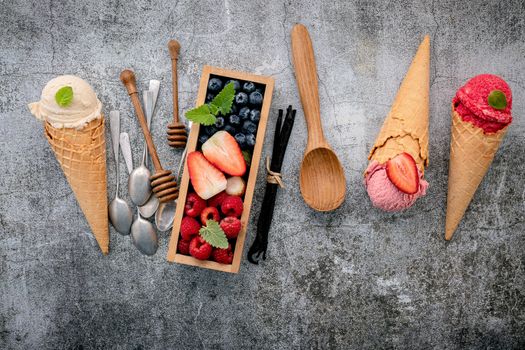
(232, 206)
(199, 248)
(183, 247)
(402, 171)
(223, 256)
(189, 227)
(206, 179)
(235, 186)
(231, 226)
(217, 200)
(194, 205)
(210, 213)
(224, 152)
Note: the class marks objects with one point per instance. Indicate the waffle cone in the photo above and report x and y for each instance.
(405, 129)
(82, 156)
(471, 153)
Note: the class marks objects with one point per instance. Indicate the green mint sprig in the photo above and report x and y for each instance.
(221, 104)
(214, 235)
(64, 96)
(497, 99)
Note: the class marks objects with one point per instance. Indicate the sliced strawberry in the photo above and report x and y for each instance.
(402, 171)
(224, 152)
(236, 186)
(206, 179)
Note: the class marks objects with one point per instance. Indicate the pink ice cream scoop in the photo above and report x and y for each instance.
(384, 194)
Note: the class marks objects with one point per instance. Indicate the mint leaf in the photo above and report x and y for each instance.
(213, 109)
(64, 96)
(201, 115)
(224, 99)
(214, 235)
(222, 103)
(497, 99)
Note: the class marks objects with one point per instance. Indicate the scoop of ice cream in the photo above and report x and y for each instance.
(84, 107)
(471, 103)
(384, 194)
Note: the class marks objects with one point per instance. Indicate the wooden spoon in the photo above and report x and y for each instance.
(162, 182)
(177, 135)
(322, 179)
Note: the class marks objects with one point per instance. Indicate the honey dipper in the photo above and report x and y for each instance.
(163, 182)
(177, 135)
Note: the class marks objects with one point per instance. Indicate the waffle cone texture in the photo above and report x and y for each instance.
(471, 154)
(82, 156)
(405, 128)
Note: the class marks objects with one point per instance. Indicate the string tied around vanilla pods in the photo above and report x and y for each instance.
(283, 130)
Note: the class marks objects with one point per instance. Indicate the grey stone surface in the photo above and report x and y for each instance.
(354, 278)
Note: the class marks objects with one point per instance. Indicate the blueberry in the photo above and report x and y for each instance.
(241, 139)
(241, 99)
(244, 113)
(234, 109)
(256, 98)
(215, 85)
(219, 122)
(236, 84)
(248, 87)
(248, 127)
(234, 120)
(230, 129)
(203, 138)
(255, 115)
(209, 97)
(210, 130)
(250, 140)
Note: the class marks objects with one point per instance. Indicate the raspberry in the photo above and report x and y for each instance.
(217, 200)
(223, 256)
(232, 206)
(199, 248)
(189, 227)
(210, 213)
(183, 247)
(194, 205)
(231, 226)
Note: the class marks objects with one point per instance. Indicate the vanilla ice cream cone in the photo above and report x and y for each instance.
(74, 128)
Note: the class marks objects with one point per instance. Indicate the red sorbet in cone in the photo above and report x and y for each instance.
(481, 112)
(471, 103)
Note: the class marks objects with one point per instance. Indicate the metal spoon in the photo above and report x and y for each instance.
(165, 215)
(143, 233)
(150, 208)
(139, 182)
(119, 211)
(166, 212)
(143, 236)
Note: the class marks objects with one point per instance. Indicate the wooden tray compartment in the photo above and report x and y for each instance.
(173, 256)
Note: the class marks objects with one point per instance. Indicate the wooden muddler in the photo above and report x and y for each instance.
(177, 135)
(162, 182)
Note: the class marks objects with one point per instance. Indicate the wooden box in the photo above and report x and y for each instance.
(173, 255)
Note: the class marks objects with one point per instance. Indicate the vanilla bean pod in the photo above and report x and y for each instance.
(283, 130)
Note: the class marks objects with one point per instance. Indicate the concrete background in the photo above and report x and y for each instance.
(354, 278)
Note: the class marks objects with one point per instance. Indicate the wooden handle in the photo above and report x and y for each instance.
(174, 48)
(128, 79)
(306, 76)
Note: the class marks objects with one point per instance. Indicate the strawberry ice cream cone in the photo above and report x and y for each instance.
(404, 131)
(478, 127)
